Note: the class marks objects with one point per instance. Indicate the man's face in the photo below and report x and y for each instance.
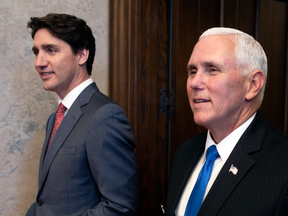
(216, 89)
(55, 62)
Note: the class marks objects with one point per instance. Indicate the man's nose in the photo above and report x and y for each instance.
(196, 81)
(41, 60)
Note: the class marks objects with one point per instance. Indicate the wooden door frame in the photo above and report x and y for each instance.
(138, 54)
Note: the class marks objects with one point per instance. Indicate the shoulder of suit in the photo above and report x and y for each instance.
(99, 97)
(99, 100)
(193, 143)
(199, 137)
(276, 135)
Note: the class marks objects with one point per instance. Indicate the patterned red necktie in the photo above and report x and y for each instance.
(58, 119)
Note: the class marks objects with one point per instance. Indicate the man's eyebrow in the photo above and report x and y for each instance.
(207, 63)
(44, 46)
(189, 66)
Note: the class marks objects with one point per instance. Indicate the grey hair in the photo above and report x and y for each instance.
(249, 54)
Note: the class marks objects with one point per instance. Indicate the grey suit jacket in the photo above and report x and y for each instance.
(90, 167)
(260, 188)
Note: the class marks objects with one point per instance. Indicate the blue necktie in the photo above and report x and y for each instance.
(196, 197)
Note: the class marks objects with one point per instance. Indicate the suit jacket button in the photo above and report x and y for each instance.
(40, 203)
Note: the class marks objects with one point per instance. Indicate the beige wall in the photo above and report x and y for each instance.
(25, 106)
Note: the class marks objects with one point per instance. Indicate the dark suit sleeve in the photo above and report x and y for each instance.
(112, 160)
(282, 206)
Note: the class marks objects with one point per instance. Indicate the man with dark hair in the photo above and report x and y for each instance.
(70, 29)
(88, 163)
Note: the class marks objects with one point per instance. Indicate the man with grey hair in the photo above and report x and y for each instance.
(239, 166)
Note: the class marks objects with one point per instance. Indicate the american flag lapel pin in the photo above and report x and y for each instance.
(233, 169)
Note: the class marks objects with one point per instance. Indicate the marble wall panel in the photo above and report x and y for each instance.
(25, 105)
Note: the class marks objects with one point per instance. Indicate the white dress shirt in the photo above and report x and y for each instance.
(69, 99)
(224, 149)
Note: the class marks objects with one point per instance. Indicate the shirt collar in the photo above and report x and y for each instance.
(69, 99)
(226, 146)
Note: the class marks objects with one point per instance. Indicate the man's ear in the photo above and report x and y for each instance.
(83, 55)
(255, 82)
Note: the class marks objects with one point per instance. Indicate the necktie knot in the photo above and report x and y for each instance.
(212, 153)
(61, 109)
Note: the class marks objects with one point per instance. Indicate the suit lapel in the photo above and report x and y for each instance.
(240, 157)
(183, 169)
(68, 123)
(226, 181)
(49, 128)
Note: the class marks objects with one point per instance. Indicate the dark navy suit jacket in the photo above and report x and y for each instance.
(260, 187)
(90, 167)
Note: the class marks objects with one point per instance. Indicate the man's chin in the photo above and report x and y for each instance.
(201, 120)
(48, 88)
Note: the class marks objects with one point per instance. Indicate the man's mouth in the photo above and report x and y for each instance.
(201, 101)
(46, 73)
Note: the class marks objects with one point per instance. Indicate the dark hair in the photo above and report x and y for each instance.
(70, 29)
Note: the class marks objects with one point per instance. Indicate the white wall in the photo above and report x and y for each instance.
(25, 105)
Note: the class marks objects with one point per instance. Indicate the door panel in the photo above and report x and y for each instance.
(139, 51)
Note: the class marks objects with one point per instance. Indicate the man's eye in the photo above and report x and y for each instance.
(213, 70)
(192, 72)
(35, 53)
(51, 50)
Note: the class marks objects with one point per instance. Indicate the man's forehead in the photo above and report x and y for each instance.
(217, 42)
(43, 38)
(215, 45)
(213, 51)
(44, 34)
